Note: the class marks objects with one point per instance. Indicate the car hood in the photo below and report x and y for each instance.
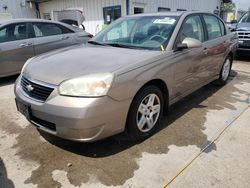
(72, 62)
(243, 27)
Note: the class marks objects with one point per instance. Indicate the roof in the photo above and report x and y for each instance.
(18, 20)
(27, 20)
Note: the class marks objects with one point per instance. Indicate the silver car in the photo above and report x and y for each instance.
(21, 39)
(126, 76)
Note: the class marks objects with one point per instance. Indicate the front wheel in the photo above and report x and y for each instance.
(145, 113)
(225, 71)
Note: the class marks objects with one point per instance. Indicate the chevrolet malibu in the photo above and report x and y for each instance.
(126, 76)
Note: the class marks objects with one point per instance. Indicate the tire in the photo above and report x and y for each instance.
(225, 71)
(143, 120)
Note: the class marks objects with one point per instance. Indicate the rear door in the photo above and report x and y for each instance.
(216, 44)
(189, 62)
(16, 46)
(51, 36)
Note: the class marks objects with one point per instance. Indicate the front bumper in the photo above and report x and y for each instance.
(244, 46)
(78, 119)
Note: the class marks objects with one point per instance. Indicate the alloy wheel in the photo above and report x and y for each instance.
(148, 112)
(226, 69)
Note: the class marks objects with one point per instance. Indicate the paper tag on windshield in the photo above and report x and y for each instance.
(166, 20)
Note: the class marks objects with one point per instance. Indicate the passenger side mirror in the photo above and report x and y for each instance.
(189, 43)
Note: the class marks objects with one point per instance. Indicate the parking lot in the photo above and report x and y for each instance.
(217, 117)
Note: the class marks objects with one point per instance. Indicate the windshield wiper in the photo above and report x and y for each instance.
(121, 45)
(96, 43)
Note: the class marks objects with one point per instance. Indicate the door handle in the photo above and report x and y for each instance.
(25, 44)
(205, 51)
(64, 37)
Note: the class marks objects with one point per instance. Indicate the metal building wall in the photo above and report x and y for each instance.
(14, 8)
(201, 5)
(92, 9)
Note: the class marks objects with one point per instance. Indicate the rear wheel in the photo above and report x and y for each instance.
(225, 71)
(145, 113)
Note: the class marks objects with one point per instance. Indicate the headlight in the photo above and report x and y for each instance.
(94, 85)
(26, 63)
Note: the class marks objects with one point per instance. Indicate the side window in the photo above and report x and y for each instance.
(3, 35)
(14, 32)
(213, 27)
(49, 29)
(38, 32)
(222, 28)
(192, 28)
(20, 32)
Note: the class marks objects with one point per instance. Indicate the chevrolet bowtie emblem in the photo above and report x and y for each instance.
(29, 88)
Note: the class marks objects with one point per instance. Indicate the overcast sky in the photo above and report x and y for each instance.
(243, 4)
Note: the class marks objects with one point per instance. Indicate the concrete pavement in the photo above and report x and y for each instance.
(228, 165)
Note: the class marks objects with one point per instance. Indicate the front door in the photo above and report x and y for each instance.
(16, 47)
(189, 64)
(50, 36)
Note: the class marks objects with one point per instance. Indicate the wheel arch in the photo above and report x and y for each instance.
(162, 86)
(231, 55)
(164, 89)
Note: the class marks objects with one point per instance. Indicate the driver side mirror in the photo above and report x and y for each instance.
(189, 43)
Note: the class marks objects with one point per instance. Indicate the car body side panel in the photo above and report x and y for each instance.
(161, 69)
(188, 69)
(13, 55)
(48, 43)
(215, 50)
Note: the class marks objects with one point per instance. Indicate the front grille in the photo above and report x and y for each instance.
(244, 35)
(35, 90)
(43, 123)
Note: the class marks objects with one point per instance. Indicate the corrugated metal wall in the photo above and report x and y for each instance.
(93, 9)
(201, 5)
(15, 9)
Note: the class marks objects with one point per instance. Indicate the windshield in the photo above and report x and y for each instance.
(148, 32)
(245, 18)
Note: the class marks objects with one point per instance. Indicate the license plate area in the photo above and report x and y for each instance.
(23, 108)
(247, 43)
